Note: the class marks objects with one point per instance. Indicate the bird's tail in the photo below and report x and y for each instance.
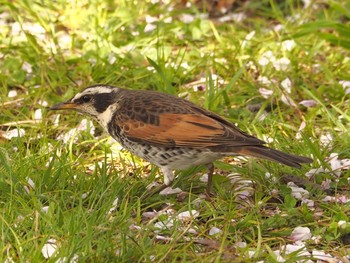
(273, 155)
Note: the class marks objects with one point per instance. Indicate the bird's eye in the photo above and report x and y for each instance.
(86, 99)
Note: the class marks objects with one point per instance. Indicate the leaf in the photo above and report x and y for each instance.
(168, 86)
(338, 35)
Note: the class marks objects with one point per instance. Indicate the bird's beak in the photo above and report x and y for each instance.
(64, 106)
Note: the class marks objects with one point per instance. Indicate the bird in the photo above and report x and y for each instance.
(168, 131)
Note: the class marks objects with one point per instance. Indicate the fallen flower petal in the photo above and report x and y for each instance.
(266, 93)
(293, 248)
(288, 45)
(49, 248)
(308, 103)
(281, 64)
(170, 191)
(320, 255)
(287, 100)
(301, 233)
(164, 224)
(298, 192)
(12, 94)
(184, 216)
(114, 206)
(264, 80)
(214, 230)
(13, 133)
(38, 115)
(287, 85)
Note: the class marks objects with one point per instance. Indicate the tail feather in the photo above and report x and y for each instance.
(274, 155)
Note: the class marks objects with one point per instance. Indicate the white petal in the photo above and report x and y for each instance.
(343, 199)
(114, 206)
(279, 258)
(321, 255)
(278, 27)
(287, 85)
(49, 248)
(164, 224)
(326, 184)
(345, 84)
(314, 171)
(12, 94)
(307, 3)
(292, 248)
(38, 115)
(241, 244)
(342, 223)
(287, 100)
(237, 17)
(170, 191)
(43, 103)
(301, 233)
(329, 199)
(263, 61)
(149, 214)
(308, 103)
(9, 260)
(30, 182)
(301, 127)
(184, 216)
(27, 67)
(204, 178)
(309, 203)
(151, 19)
(214, 230)
(266, 93)
(187, 18)
(326, 139)
(85, 124)
(168, 20)
(298, 192)
(192, 231)
(335, 163)
(269, 54)
(74, 259)
(66, 137)
(264, 80)
(266, 58)
(56, 119)
(317, 239)
(13, 134)
(45, 209)
(134, 227)
(149, 28)
(250, 35)
(281, 64)
(288, 45)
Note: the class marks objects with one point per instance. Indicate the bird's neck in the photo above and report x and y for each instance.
(106, 117)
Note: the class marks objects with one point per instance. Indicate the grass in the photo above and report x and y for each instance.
(83, 194)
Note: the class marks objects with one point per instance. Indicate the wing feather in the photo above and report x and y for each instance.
(168, 121)
(185, 130)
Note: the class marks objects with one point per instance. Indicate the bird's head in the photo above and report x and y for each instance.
(93, 101)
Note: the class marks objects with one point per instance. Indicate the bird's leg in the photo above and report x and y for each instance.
(168, 179)
(210, 167)
(168, 175)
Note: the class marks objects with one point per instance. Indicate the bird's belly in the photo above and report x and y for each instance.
(178, 158)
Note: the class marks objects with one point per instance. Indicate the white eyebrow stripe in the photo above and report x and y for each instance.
(94, 90)
(98, 89)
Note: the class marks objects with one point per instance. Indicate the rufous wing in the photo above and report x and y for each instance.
(185, 130)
